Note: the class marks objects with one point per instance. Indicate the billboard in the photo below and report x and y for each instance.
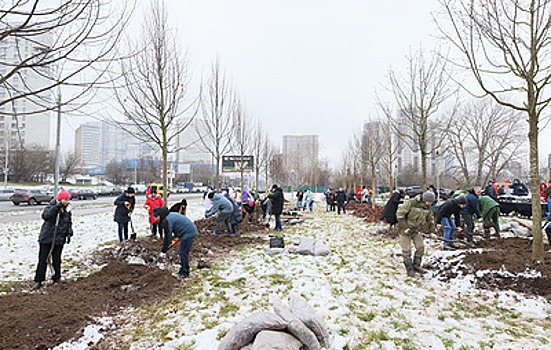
(237, 163)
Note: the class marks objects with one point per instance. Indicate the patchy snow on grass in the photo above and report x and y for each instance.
(360, 290)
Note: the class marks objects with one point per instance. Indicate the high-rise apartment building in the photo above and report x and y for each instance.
(19, 122)
(98, 143)
(300, 156)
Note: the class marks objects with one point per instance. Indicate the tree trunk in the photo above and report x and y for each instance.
(373, 185)
(424, 170)
(537, 243)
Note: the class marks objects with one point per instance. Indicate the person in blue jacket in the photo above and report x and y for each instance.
(470, 211)
(224, 208)
(124, 206)
(452, 207)
(176, 225)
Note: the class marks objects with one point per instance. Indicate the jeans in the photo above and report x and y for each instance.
(223, 219)
(183, 253)
(277, 222)
(449, 229)
(123, 231)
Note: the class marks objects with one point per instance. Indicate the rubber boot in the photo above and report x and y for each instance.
(409, 269)
(417, 265)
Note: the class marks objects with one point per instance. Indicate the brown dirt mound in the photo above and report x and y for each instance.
(364, 210)
(515, 256)
(57, 313)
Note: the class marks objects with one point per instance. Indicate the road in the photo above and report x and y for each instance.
(23, 212)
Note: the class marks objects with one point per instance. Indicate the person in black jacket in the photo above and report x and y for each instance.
(490, 191)
(125, 205)
(389, 212)
(450, 207)
(56, 230)
(180, 207)
(341, 201)
(277, 198)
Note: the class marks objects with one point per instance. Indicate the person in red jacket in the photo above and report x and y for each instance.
(152, 202)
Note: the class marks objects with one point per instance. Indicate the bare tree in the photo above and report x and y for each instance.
(368, 150)
(241, 136)
(392, 146)
(506, 47)
(257, 144)
(484, 139)
(118, 173)
(420, 95)
(30, 164)
(63, 43)
(216, 108)
(68, 166)
(154, 93)
(268, 150)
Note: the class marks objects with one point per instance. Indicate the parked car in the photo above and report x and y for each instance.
(73, 192)
(413, 191)
(86, 194)
(31, 197)
(6, 193)
(109, 191)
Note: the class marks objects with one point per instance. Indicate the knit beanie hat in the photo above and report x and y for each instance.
(63, 194)
(130, 190)
(429, 196)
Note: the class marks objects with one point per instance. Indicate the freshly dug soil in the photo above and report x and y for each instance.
(513, 255)
(58, 312)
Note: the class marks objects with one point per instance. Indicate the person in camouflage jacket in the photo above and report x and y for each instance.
(415, 216)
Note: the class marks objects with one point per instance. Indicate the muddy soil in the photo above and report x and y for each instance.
(513, 255)
(58, 312)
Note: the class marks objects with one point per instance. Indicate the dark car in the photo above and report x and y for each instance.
(109, 191)
(31, 197)
(86, 194)
(73, 192)
(413, 191)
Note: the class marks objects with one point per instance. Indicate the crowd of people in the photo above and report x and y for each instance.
(414, 218)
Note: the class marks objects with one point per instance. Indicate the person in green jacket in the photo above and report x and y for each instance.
(490, 214)
(415, 216)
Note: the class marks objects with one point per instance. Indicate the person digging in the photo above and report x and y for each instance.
(56, 231)
(414, 216)
(176, 226)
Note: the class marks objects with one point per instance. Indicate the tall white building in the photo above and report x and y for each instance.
(17, 120)
(98, 143)
(88, 144)
(300, 157)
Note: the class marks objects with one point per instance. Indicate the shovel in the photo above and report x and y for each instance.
(49, 258)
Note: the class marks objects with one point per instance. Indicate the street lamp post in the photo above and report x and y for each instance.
(57, 143)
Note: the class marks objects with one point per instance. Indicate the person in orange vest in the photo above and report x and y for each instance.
(152, 202)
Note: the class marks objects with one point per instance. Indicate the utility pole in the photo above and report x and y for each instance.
(57, 143)
(6, 157)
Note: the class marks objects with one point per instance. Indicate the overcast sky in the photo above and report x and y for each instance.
(305, 66)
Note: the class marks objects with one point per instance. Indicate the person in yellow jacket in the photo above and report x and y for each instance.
(415, 216)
